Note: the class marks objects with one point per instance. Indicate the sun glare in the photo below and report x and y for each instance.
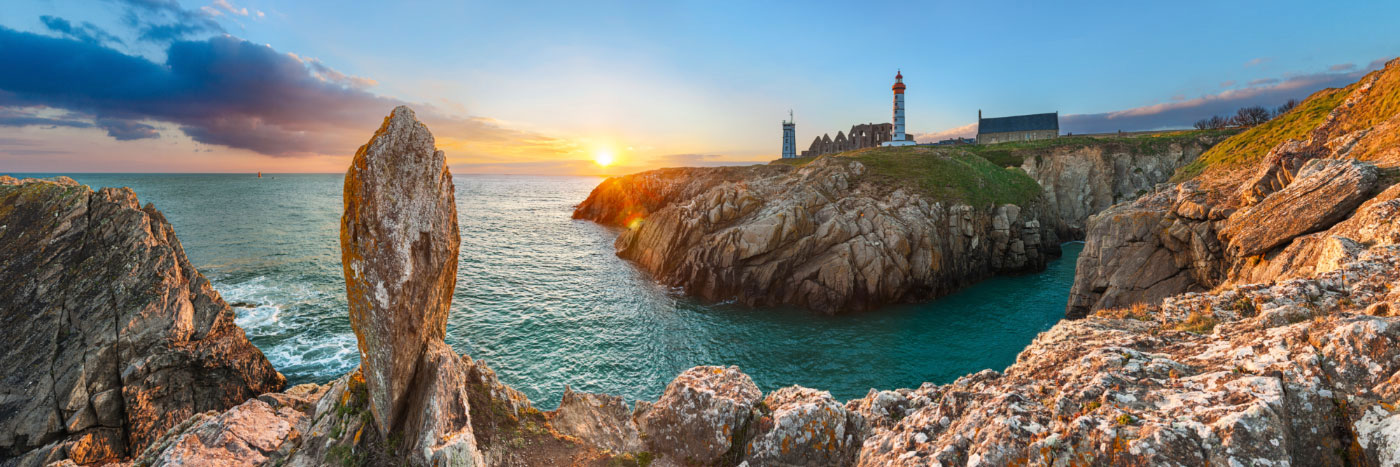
(603, 158)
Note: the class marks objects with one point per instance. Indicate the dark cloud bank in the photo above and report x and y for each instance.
(222, 90)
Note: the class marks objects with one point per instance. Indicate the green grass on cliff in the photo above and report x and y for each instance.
(1014, 153)
(947, 174)
(1251, 145)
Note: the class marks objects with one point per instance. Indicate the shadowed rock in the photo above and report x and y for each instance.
(111, 336)
(399, 245)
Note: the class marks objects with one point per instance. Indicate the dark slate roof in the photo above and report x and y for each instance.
(1050, 121)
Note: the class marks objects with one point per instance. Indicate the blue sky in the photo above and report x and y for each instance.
(524, 87)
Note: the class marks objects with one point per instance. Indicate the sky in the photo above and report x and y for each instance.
(551, 88)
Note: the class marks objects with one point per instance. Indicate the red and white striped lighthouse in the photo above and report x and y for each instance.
(899, 138)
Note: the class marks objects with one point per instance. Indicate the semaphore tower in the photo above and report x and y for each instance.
(899, 138)
(789, 137)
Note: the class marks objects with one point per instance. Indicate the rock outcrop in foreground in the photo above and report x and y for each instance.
(1302, 372)
(110, 335)
(399, 246)
(825, 236)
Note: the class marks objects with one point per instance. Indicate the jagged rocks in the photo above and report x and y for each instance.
(399, 247)
(1285, 374)
(112, 336)
(704, 416)
(805, 426)
(1324, 192)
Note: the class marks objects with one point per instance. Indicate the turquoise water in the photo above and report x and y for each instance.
(543, 299)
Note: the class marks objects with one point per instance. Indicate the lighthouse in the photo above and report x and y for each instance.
(899, 138)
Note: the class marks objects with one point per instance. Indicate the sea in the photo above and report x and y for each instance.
(545, 301)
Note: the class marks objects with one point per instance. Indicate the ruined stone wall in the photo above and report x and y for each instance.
(861, 136)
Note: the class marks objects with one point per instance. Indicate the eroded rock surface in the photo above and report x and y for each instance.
(1324, 192)
(1296, 373)
(399, 245)
(600, 420)
(111, 335)
(803, 426)
(704, 417)
(819, 237)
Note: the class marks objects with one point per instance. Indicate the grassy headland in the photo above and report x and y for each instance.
(941, 173)
(986, 174)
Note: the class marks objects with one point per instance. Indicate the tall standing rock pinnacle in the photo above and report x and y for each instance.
(399, 245)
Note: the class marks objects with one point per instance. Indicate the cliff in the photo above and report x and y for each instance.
(111, 336)
(878, 226)
(840, 234)
(1277, 201)
(1082, 176)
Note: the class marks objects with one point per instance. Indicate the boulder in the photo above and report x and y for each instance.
(250, 434)
(703, 417)
(1324, 192)
(399, 244)
(805, 426)
(601, 420)
(112, 336)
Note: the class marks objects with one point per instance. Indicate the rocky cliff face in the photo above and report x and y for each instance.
(111, 336)
(1285, 215)
(825, 237)
(822, 237)
(1082, 180)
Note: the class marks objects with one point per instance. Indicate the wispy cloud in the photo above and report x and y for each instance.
(86, 32)
(165, 20)
(1257, 61)
(1180, 113)
(965, 131)
(1341, 67)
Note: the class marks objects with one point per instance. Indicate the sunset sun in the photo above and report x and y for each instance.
(603, 158)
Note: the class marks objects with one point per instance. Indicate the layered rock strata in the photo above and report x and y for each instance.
(1286, 216)
(821, 237)
(111, 336)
